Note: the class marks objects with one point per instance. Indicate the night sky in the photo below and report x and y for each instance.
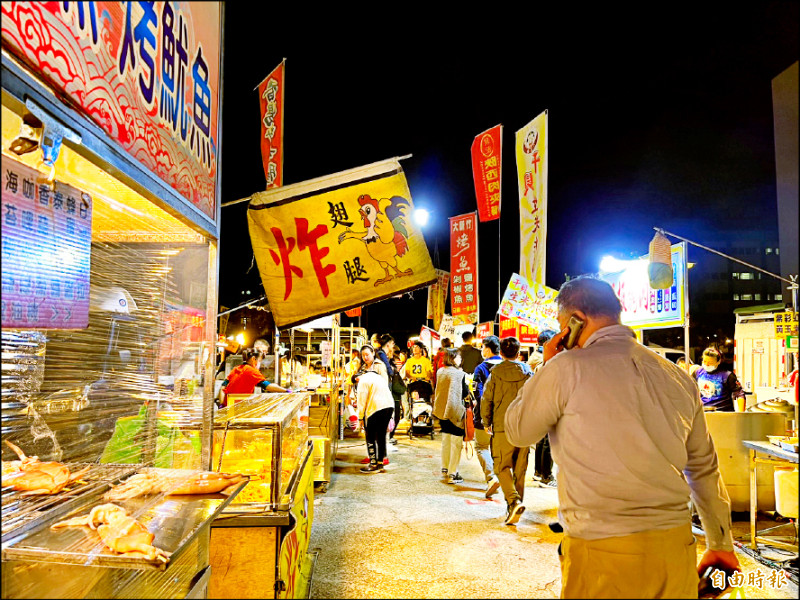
(661, 117)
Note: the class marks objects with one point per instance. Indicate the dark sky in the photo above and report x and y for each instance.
(657, 117)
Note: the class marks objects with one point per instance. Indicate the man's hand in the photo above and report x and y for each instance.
(555, 345)
(718, 558)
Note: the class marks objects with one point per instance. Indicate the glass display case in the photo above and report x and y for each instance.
(265, 437)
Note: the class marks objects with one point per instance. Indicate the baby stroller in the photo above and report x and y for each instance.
(419, 400)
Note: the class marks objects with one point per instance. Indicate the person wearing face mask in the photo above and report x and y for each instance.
(719, 387)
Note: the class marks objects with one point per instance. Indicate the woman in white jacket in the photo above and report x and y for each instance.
(375, 406)
(450, 409)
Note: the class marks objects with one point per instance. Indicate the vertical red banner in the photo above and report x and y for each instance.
(464, 267)
(270, 98)
(486, 171)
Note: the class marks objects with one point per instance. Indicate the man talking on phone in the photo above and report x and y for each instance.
(628, 432)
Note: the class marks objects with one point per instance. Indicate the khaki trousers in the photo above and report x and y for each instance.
(510, 465)
(650, 564)
(483, 451)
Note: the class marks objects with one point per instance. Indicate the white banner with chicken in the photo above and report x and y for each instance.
(337, 242)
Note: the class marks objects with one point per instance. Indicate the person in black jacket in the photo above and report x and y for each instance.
(385, 354)
(470, 356)
(483, 450)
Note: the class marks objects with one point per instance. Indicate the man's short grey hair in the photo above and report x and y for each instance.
(592, 296)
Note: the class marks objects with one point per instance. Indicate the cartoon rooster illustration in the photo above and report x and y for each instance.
(386, 237)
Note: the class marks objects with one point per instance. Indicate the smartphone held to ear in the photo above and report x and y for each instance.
(575, 326)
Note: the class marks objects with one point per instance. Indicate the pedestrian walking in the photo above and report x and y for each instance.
(542, 457)
(449, 407)
(510, 460)
(630, 438)
(438, 359)
(374, 407)
(470, 355)
(369, 363)
(490, 351)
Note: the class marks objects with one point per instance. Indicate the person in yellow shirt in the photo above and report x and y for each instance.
(419, 372)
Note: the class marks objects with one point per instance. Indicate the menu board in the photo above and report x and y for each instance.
(46, 250)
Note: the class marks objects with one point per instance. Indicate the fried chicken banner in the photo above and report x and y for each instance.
(337, 242)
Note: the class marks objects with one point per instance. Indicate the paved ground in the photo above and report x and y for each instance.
(407, 534)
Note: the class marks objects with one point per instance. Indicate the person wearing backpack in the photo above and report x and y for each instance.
(490, 351)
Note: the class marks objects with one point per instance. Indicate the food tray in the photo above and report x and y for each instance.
(175, 521)
(22, 513)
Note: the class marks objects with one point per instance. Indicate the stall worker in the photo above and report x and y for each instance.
(719, 387)
(244, 378)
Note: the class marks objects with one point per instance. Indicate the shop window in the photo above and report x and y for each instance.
(756, 296)
(768, 251)
(735, 275)
(777, 250)
(778, 297)
(145, 346)
(746, 276)
(747, 296)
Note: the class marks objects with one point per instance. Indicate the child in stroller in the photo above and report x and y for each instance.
(419, 400)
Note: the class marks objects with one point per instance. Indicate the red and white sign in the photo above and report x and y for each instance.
(146, 72)
(484, 330)
(486, 172)
(270, 98)
(508, 327)
(464, 267)
(47, 237)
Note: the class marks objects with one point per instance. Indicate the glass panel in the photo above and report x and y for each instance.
(123, 389)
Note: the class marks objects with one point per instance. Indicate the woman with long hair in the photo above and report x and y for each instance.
(450, 408)
(375, 406)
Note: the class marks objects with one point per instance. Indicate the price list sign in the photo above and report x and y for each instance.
(46, 249)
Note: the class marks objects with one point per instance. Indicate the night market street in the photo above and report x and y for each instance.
(407, 534)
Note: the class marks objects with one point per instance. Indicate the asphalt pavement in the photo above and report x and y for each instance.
(406, 533)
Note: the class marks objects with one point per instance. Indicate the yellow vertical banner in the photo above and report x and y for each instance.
(532, 159)
(337, 242)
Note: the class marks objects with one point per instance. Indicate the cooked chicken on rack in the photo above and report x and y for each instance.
(34, 477)
(143, 484)
(118, 531)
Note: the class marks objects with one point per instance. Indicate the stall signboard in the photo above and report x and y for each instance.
(642, 306)
(430, 338)
(527, 335)
(337, 242)
(294, 570)
(447, 329)
(46, 248)
(464, 268)
(507, 327)
(147, 73)
(270, 99)
(530, 303)
(486, 172)
(785, 324)
(484, 330)
(532, 161)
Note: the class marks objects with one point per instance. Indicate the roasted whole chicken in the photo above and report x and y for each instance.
(143, 484)
(118, 531)
(34, 477)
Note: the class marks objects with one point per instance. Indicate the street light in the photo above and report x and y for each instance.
(421, 217)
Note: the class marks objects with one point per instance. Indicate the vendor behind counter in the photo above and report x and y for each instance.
(244, 378)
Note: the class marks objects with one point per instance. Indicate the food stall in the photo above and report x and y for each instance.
(109, 277)
(264, 436)
(318, 343)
